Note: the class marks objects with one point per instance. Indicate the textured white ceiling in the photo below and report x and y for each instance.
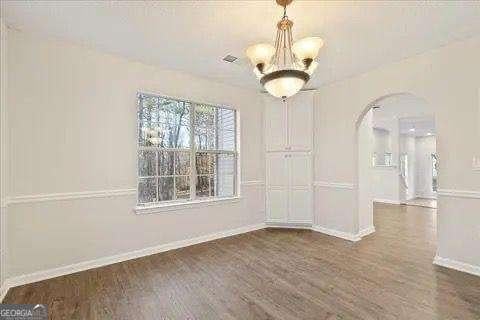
(193, 36)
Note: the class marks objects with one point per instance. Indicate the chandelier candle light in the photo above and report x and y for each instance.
(284, 69)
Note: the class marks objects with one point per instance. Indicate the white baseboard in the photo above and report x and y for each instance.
(457, 265)
(366, 231)
(85, 265)
(336, 233)
(317, 228)
(3, 291)
(387, 201)
(289, 225)
(426, 196)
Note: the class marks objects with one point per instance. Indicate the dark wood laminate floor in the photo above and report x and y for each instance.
(276, 274)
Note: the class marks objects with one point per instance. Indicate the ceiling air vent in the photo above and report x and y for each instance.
(229, 58)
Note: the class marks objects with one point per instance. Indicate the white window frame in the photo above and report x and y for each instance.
(193, 201)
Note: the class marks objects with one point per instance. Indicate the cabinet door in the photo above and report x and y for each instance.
(277, 205)
(300, 121)
(277, 170)
(275, 124)
(300, 190)
(300, 206)
(277, 187)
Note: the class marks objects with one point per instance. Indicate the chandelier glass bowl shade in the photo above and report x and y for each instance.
(283, 69)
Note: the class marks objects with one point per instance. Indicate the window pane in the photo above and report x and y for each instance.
(182, 185)
(212, 186)
(203, 163)
(164, 135)
(212, 165)
(176, 117)
(147, 190)
(165, 188)
(147, 108)
(149, 134)
(226, 140)
(225, 180)
(174, 112)
(182, 163)
(165, 163)
(205, 139)
(146, 163)
(225, 119)
(202, 188)
(164, 122)
(153, 134)
(180, 137)
(205, 116)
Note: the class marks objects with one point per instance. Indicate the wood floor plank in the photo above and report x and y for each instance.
(276, 274)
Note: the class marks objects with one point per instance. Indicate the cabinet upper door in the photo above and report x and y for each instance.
(275, 124)
(300, 121)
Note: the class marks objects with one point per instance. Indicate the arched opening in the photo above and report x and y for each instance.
(397, 163)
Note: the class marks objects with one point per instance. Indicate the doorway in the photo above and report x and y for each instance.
(397, 158)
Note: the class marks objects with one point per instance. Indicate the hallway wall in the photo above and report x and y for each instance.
(365, 172)
(386, 179)
(448, 78)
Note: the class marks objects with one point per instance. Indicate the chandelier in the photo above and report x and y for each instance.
(285, 68)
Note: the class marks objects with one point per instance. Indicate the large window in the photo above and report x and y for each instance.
(186, 150)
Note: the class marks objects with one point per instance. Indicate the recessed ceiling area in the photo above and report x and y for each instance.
(194, 36)
(418, 127)
(413, 113)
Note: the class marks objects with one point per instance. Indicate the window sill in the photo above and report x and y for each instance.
(165, 207)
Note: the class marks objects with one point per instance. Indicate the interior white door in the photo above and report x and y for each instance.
(275, 124)
(277, 187)
(300, 121)
(300, 188)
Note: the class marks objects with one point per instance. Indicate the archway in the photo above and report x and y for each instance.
(392, 123)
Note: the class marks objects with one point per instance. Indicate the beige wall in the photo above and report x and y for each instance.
(448, 78)
(72, 117)
(366, 182)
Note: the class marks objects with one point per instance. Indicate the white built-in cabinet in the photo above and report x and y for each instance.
(289, 124)
(289, 143)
